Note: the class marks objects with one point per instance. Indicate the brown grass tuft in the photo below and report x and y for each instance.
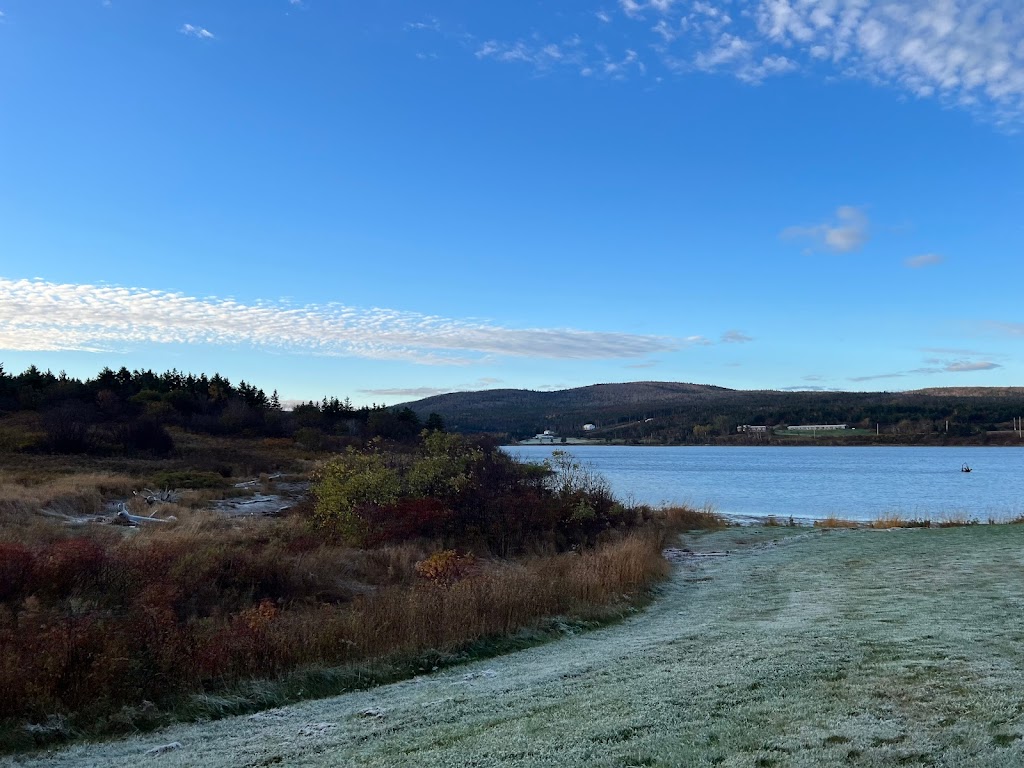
(835, 522)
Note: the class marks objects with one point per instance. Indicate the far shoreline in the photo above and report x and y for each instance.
(584, 443)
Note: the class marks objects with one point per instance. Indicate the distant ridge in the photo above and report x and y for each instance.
(970, 391)
(680, 412)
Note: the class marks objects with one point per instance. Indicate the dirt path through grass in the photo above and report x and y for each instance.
(861, 648)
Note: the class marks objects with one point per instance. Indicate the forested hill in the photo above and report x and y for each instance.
(668, 412)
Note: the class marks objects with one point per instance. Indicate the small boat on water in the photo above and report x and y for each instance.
(965, 468)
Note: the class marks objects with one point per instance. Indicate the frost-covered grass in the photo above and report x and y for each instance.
(826, 647)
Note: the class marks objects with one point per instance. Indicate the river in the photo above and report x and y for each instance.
(807, 483)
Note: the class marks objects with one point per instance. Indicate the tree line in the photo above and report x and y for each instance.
(129, 411)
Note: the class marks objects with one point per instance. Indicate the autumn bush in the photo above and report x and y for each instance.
(464, 493)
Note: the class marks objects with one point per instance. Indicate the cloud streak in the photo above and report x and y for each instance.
(36, 315)
(736, 337)
(417, 392)
(937, 366)
(845, 234)
(200, 33)
(924, 260)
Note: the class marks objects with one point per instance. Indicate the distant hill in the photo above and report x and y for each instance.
(674, 412)
(970, 391)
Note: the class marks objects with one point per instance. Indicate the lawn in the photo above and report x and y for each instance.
(779, 648)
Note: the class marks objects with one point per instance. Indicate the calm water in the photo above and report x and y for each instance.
(854, 483)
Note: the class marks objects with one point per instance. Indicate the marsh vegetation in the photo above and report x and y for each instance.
(406, 554)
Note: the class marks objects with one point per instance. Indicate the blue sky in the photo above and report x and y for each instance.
(392, 199)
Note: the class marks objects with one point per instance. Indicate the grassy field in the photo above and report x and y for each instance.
(769, 647)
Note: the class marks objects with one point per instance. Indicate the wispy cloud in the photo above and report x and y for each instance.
(963, 53)
(736, 337)
(646, 364)
(485, 382)
(960, 352)
(846, 233)
(878, 376)
(410, 392)
(1008, 329)
(45, 316)
(430, 24)
(937, 366)
(197, 32)
(698, 341)
(542, 55)
(966, 365)
(924, 260)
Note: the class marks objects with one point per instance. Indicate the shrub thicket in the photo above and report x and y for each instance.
(467, 494)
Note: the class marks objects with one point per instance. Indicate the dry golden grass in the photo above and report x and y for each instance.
(25, 501)
(954, 520)
(682, 519)
(835, 522)
(501, 598)
(896, 521)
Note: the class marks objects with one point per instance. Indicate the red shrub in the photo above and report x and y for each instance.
(69, 567)
(15, 570)
(406, 519)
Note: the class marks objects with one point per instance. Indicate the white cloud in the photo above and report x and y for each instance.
(631, 8)
(729, 49)
(569, 53)
(430, 25)
(846, 233)
(42, 316)
(635, 9)
(197, 32)
(964, 53)
(965, 365)
(924, 260)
